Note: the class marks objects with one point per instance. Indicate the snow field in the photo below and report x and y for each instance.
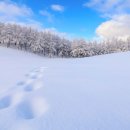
(73, 94)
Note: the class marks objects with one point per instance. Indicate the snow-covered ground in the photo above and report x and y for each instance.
(38, 93)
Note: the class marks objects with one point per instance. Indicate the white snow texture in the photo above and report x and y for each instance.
(38, 93)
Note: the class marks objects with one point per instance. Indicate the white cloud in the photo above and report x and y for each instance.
(109, 6)
(117, 11)
(47, 14)
(10, 12)
(57, 7)
(8, 8)
(118, 27)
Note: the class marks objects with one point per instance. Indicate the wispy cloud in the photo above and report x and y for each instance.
(109, 6)
(8, 8)
(11, 12)
(47, 14)
(57, 7)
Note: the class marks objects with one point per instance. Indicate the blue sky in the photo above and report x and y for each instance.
(80, 18)
(76, 20)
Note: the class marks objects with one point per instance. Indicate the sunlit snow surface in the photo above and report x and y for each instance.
(38, 93)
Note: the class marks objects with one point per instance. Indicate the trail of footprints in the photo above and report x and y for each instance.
(23, 99)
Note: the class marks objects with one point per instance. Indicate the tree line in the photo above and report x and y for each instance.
(50, 44)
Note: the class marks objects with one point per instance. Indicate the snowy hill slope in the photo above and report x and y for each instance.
(64, 94)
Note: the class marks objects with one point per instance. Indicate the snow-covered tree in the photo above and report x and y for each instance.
(48, 43)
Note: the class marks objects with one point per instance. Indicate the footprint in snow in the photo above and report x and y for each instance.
(35, 80)
(30, 109)
(33, 86)
(38, 70)
(11, 99)
(35, 75)
(5, 101)
(26, 109)
(32, 75)
(20, 83)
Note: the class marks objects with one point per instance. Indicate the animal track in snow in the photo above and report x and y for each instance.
(32, 108)
(34, 82)
(36, 73)
(5, 101)
(10, 99)
(26, 105)
(33, 86)
(20, 83)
